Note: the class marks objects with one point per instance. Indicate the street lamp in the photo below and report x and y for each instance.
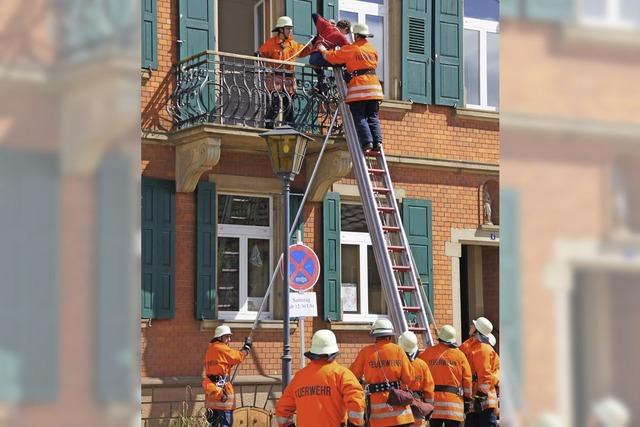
(287, 148)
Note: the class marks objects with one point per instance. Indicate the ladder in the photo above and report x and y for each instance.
(406, 302)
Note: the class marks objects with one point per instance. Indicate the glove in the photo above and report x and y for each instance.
(467, 405)
(247, 344)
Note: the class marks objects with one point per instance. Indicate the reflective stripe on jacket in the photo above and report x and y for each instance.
(449, 367)
(219, 360)
(322, 394)
(377, 363)
(480, 356)
(361, 55)
(423, 383)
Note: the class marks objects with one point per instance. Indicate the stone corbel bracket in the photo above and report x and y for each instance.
(193, 158)
(334, 166)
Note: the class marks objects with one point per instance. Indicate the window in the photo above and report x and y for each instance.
(258, 24)
(361, 287)
(481, 62)
(622, 14)
(374, 14)
(245, 247)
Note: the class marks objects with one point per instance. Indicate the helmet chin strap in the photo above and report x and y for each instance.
(412, 356)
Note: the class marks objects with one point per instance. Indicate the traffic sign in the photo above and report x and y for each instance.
(304, 268)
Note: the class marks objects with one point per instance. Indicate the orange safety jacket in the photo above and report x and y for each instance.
(378, 363)
(218, 361)
(361, 55)
(282, 50)
(480, 356)
(322, 393)
(449, 368)
(422, 384)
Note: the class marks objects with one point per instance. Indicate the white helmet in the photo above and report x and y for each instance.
(382, 328)
(612, 413)
(483, 325)
(492, 340)
(221, 330)
(409, 342)
(361, 29)
(283, 21)
(324, 342)
(447, 334)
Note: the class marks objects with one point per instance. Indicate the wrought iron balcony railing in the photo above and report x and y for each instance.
(229, 89)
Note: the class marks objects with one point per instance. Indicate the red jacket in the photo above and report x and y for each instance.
(328, 34)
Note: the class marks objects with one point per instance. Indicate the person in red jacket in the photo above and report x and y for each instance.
(331, 35)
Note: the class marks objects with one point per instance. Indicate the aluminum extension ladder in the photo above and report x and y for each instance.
(405, 298)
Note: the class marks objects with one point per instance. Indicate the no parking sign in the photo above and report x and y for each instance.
(304, 268)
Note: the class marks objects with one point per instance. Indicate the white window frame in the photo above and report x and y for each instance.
(257, 42)
(613, 18)
(244, 233)
(483, 26)
(362, 240)
(363, 8)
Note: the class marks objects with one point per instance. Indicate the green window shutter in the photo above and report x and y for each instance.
(206, 214)
(295, 200)
(300, 12)
(448, 30)
(510, 292)
(158, 248)
(331, 256)
(196, 27)
(417, 63)
(416, 219)
(330, 10)
(149, 34)
(550, 10)
(510, 8)
(115, 337)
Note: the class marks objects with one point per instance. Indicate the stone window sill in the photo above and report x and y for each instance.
(210, 325)
(396, 106)
(487, 116)
(350, 326)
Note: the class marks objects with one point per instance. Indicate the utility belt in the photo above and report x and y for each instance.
(219, 380)
(380, 387)
(449, 389)
(363, 72)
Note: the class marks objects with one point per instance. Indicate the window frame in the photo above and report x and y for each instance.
(483, 26)
(614, 17)
(362, 240)
(244, 233)
(362, 8)
(256, 40)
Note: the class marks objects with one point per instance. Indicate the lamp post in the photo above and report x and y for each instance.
(287, 148)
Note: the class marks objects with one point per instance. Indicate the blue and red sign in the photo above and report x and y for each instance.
(304, 268)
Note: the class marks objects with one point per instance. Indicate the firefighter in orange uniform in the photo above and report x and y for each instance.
(281, 83)
(323, 393)
(481, 358)
(383, 365)
(422, 386)
(364, 89)
(218, 362)
(452, 377)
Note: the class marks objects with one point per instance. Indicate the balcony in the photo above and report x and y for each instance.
(243, 91)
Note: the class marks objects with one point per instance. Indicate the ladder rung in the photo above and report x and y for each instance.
(401, 267)
(412, 309)
(396, 248)
(386, 209)
(376, 171)
(417, 329)
(380, 190)
(406, 288)
(390, 228)
(372, 153)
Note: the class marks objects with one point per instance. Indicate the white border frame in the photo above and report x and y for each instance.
(614, 17)
(244, 233)
(363, 8)
(482, 26)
